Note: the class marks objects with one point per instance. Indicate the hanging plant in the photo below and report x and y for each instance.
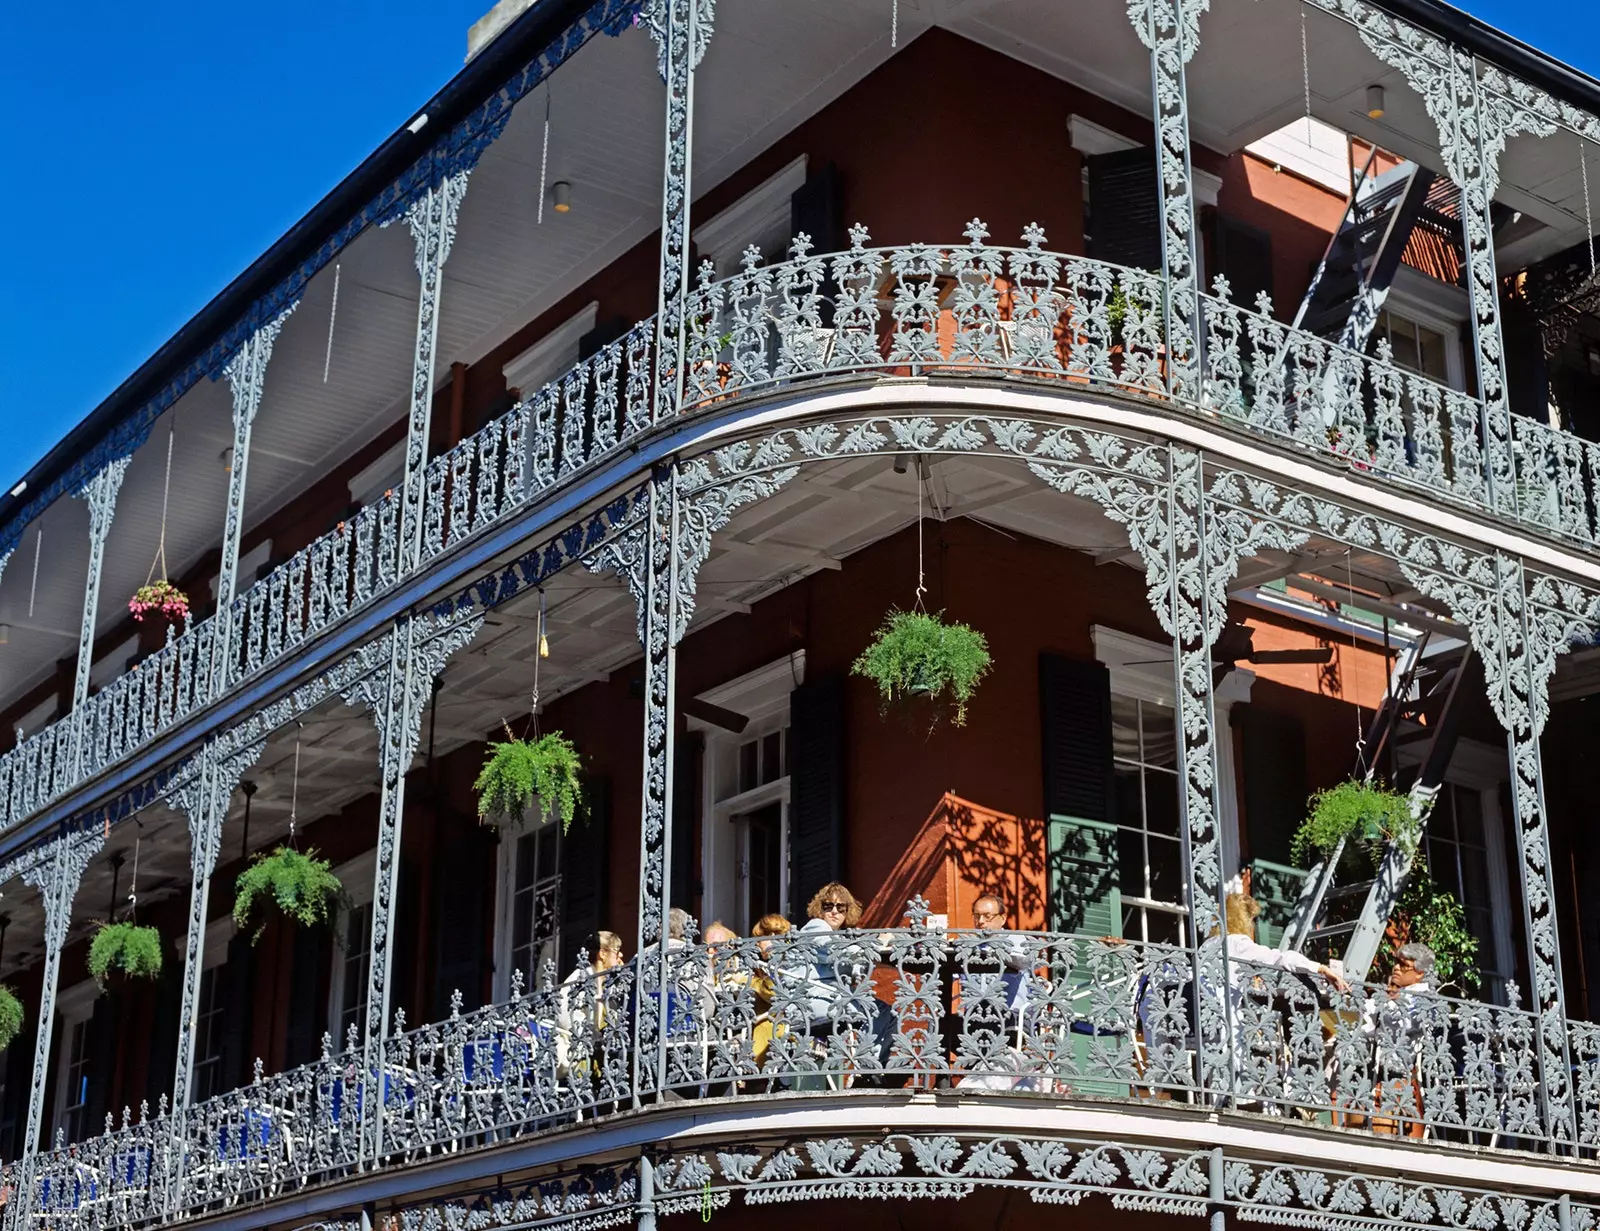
(127, 949)
(917, 654)
(1430, 913)
(161, 597)
(10, 1017)
(302, 886)
(1359, 812)
(518, 770)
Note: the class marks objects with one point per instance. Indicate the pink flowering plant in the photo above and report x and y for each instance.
(161, 597)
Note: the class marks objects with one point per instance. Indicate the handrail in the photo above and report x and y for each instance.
(1043, 1014)
(972, 311)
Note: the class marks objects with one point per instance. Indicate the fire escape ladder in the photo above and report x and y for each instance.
(1349, 288)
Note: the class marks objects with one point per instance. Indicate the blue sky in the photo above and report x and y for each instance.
(155, 150)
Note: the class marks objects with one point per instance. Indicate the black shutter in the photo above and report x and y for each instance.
(816, 787)
(407, 924)
(238, 973)
(102, 1052)
(585, 873)
(1527, 371)
(308, 995)
(1075, 722)
(1273, 748)
(817, 208)
(164, 1020)
(601, 336)
(1242, 254)
(19, 1078)
(459, 877)
(1125, 206)
(685, 791)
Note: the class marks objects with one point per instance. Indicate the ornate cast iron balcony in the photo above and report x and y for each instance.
(1039, 1016)
(1024, 316)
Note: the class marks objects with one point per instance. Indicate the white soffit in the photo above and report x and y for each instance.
(552, 354)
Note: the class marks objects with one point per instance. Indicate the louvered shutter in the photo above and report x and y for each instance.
(685, 791)
(406, 920)
(308, 995)
(817, 208)
(585, 873)
(1242, 254)
(1085, 884)
(816, 787)
(19, 1077)
(1125, 208)
(164, 1021)
(101, 1048)
(1075, 723)
(1273, 748)
(601, 336)
(461, 874)
(238, 973)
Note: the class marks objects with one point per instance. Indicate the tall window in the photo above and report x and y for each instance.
(1417, 348)
(534, 896)
(750, 801)
(354, 961)
(208, 1034)
(75, 1081)
(1149, 850)
(1456, 846)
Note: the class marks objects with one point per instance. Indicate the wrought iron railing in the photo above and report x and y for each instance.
(1021, 314)
(1024, 1014)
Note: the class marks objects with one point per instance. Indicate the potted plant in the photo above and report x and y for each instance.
(518, 770)
(10, 1017)
(126, 949)
(301, 885)
(1359, 812)
(917, 654)
(162, 598)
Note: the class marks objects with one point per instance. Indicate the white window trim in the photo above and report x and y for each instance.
(723, 238)
(245, 571)
(1087, 138)
(1433, 305)
(378, 476)
(356, 876)
(73, 1006)
(505, 876)
(1143, 670)
(762, 696)
(552, 354)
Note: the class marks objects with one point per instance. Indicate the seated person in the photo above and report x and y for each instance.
(835, 968)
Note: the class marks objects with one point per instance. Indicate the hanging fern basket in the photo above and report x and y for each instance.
(302, 886)
(124, 949)
(10, 1017)
(919, 655)
(519, 771)
(1354, 812)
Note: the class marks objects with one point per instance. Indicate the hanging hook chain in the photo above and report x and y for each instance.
(538, 653)
(544, 156)
(327, 358)
(1361, 732)
(921, 577)
(1588, 216)
(166, 489)
(294, 789)
(1305, 71)
(133, 882)
(38, 549)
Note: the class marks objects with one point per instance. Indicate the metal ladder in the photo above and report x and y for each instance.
(1422, 704)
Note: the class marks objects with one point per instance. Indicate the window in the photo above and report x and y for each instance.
(208, 1034)
(1149, 848)
(760, 219)
(529, 934)
(552, 355)
(745, 822)
(349, 970)
(1417, 348)
(74, 1111)
(1463, 857)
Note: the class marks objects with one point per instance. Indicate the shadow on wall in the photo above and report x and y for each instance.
(964, 851)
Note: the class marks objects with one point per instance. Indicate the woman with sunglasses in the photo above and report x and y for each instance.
(838, 967)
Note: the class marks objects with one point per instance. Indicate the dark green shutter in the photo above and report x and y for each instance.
(685, 791)
(165, 1018)
(1075, 724)
(1125, 208)
(816, 787)
(1242, 254)
(461, 874)
(101, 1049)
(238, 974)
(1085, 889)
(308, 995)
(585, 873)
(19, 1079)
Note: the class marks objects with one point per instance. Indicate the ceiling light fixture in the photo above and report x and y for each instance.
(561, 196)
(226, 458)
(1375, 102)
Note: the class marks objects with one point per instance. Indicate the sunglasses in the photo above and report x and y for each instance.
(829, 908)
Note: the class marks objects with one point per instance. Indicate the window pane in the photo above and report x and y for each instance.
(771, 769)
(1166, 869)
(1160, 736)
(1161, 802)
(1124, 729)
(1130, 806)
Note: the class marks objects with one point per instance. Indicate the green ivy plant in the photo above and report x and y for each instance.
(1355, 812)
(10, 1017)
(1430, 913)
(302, 886)
(915, 653)
(127, 949)
(518, 771)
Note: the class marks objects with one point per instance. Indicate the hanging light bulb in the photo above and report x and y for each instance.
(544, 641)
(226, 458)
(1375, 106)
(561, 196)
(5, 634)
